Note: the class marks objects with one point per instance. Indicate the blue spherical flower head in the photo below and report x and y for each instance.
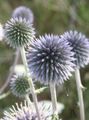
(50, 59)
(23, 12)
(25, 112)
(80, 45)
(18, 32)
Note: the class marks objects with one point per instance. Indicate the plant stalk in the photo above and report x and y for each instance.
(53, 97)
(30, 82)
(80, 94)
(28, 100)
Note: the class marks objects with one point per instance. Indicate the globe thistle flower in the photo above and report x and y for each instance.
(23, 12)
(18, 32)
(25, 112)
(19, 85)
(80, 46)
(50, 59)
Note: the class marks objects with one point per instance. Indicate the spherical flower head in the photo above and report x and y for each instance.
(18, 32)
(50, 59)
(80, 46)
(23, 12)
(19, 85)
(25, 112)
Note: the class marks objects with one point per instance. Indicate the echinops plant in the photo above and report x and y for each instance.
(80, 45)
(49, 59)
(18, 33)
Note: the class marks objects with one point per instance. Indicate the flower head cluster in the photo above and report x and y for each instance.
(23, 12)
(25, 112)
(50, 59)
(80, 45)
(18, 32)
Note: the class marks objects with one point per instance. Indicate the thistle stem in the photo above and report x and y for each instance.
(28, 100)
(30, 82)
(53, 97)
(80, 94)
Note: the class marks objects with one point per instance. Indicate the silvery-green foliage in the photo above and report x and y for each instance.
(23, 12)
(25, 112)
(80, 45)
(19, 85)
(18, 32)
(50, 59)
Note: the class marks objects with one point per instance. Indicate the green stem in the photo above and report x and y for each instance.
(53, 97)
(80, 94)
(28, 100)
(30, 82)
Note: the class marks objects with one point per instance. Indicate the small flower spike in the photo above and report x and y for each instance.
(50, 59)
(25, 112)
(23, 12)
(80, 45)
(19, 85)
(18, 32)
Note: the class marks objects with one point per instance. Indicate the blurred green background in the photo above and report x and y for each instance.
(50, 16)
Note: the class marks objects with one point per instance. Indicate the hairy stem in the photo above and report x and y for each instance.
(30, 82)
(53, 97)
(80, 94)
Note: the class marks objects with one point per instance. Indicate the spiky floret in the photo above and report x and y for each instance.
(19, 85)
(50, 59)
(25, 112)
(23, 12)
(80, 45)
(18, 32)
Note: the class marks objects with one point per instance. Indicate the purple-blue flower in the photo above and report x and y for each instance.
(23, 12)
(26, 112)
(50, 59)
(80, 45)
